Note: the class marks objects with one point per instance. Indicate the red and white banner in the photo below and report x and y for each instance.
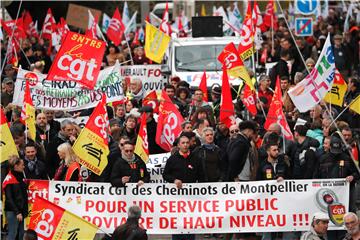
(261, 206)
(79, 59)
(48, 25)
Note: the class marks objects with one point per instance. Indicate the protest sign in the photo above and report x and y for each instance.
(68, 95)
(156, 166)
(78, 16)
(150, 76)
(262, 206)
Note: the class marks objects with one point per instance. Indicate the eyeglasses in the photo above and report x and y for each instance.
(235, 131)
(128, 151)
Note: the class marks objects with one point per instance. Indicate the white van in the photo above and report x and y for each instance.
(188, 57)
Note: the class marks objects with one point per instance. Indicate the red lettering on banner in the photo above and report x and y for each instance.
(146, 206)
(108, 206)
(165, 223)
(278, 220)
(189, 206)
(202, 222)
(251, 205)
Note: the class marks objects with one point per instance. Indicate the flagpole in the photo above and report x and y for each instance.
(127, 43)
(11, 37)
(327, 108)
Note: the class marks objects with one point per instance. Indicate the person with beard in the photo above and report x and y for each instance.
(129, 168)
(352, 225)
(222, 134)
(129, 129)
(136, 90)
(50, 117)
(43, 130)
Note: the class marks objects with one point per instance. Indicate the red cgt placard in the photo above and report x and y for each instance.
(79, 59)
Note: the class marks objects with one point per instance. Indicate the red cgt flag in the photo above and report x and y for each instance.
(48, 25)
(226, 106)
(203, 86)
(151, 100)
(249, 100)
(116, 28)
(276, 113)
(270, 20)
(79, 59)
(246, 48)
(165, 25)
(169, 123)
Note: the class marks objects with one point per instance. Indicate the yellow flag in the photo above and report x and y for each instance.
(156, 43)
(337, 92)
(7, 144)
(91, 146)
(355, 105)
(142, 146)
(203, 10)
(28, 113)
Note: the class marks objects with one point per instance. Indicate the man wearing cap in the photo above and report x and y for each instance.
(318, 229)
(8, 93)
(131, 229)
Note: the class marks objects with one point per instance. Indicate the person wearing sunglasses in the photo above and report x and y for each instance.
(234, 131)
(129, 168)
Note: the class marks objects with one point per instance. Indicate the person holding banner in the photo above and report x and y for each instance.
(129, 168)
(16, 203)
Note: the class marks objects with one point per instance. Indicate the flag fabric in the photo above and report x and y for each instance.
(221, 12)
(246, 48)
(169, 123)
(60, 223)
(276, 113)
(257, 17)
(165, 25)
(131, 25)
(105, 22)
(47, 26)
(270, 20)
(142, 145)
(9, 179)
(33, 29)
(231, 60)
(7, 144)
(28, 113)
(156, 43)
(91, 30)
(355, 105)
(203, 10)
(151, 100)
(337, 92)
(62, 29)
(226, 106)
(310, 91)
(91, 146)
(203, 86)
(19, 32)
(125, 14)
(78, 62)
(116, 28)
(27, 21)
(257, 23)
(249, 100)
(348, 16)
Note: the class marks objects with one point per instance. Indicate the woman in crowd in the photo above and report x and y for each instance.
(16, 207)
(69, 169)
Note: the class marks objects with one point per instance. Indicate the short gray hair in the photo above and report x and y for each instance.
(134, 212)
(65, 123)
(351, 214)
(207, 129)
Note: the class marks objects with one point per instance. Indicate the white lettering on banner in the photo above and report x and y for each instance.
(44, 227)
(77, 67)
(261, 206)
(101, 123)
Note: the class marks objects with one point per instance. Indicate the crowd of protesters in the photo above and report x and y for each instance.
(207, 150)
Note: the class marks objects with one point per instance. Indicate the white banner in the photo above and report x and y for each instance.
(310, 91)
(262, 206)
(150, 75)
(68, 95)
(156, 166)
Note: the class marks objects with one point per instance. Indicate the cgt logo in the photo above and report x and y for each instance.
(78, 68)
(336, 213)
(44, 228)
(37, 189)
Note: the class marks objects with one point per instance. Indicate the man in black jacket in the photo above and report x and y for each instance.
(280, 69)
(129, 168)
(34, 167)
(131, 229)
(240, 165)
(304, 159)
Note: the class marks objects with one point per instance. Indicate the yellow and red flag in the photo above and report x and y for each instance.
(53, 222)
(91, 146)
(142, 145)
(28, 113)
(156, 43)
(355, 105)
(246, 46)
(230, 59)
(7, 144)
(337, 92)
(203, 86)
